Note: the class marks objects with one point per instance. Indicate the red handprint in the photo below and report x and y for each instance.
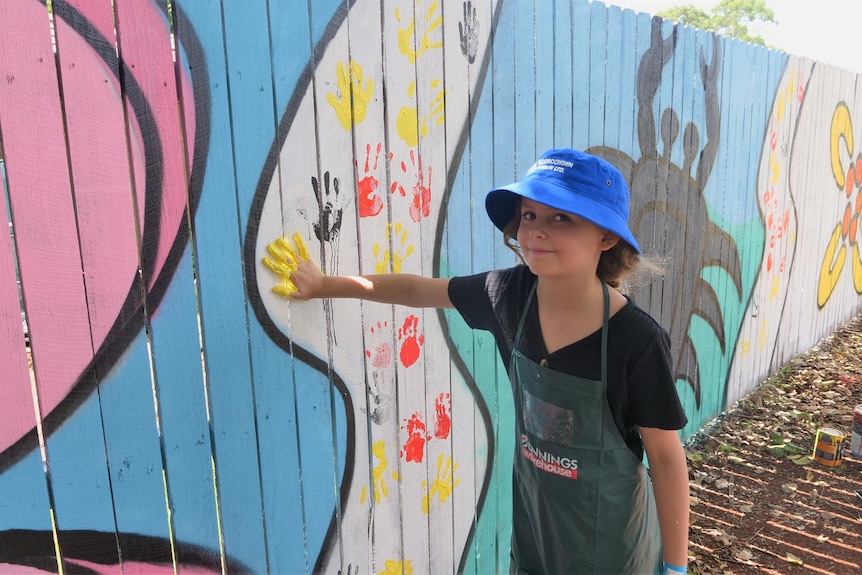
(370, 203)
(382, 355)
(443, 407)
(421, 201)
(417, 437)
(412, 342)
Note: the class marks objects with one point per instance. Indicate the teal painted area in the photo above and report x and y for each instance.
(715, 365)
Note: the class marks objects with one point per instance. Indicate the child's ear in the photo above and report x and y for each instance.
(609, 240)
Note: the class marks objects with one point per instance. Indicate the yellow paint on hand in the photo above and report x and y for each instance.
(283, 262)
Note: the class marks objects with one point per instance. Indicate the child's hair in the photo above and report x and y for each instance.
(614, 264)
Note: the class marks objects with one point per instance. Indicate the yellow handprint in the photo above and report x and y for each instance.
(406, 35)
(393, 567)
(378, 449)
(350, 97)
(443, 485)
(284, 262)
(410, 126)
(395, 257)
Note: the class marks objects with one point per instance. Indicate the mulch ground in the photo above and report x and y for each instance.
(760, 503)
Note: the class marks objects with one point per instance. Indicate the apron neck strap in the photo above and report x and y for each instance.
(605, 316)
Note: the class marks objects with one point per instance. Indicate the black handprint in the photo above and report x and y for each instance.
(330, 212)
(469, 32)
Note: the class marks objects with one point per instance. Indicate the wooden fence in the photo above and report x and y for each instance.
(164, 410)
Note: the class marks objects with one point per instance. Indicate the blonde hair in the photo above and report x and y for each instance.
(614, 264)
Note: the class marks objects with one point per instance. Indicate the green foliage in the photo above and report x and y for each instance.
(733, 18)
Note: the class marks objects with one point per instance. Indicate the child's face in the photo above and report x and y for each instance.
(555, 242)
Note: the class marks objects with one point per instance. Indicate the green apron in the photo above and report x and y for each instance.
(582, 501)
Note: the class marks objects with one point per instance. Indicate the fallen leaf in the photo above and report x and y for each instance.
(794, 559)
(721, 483)
(746, 508)
(744, 555)
(789, 487)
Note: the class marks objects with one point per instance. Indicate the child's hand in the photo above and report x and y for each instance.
(301, 279)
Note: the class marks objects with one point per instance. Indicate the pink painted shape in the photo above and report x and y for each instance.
(97, 146)
(41, 203)
(130, 568)
(137, 568)
(145, 44)
(63, 334)
(15, 381)
(8, 569)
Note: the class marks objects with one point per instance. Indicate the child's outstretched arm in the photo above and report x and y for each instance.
(669, 472)
(302, 280)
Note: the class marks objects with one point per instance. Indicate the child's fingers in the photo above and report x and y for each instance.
(281, 268)
(300, 244)
(285, 261)
(287, 248)
(285, 290)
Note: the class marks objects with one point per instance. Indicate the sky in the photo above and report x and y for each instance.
(824, 30)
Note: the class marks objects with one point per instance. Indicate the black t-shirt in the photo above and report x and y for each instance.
(640, 388)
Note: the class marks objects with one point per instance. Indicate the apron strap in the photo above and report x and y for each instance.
(607, 314)
(524, 316)
(605, 317)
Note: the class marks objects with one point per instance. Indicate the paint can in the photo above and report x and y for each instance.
(856, 436)
(828, 446)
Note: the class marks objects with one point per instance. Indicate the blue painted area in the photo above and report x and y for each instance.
(241, 357)
(580, 74)
(183, 413)
(77, 455)
(24, 496)
(730, 190)
(132, 446)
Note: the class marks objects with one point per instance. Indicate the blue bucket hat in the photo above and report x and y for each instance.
(573, 182)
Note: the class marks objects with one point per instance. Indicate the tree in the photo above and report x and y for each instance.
(732, 18)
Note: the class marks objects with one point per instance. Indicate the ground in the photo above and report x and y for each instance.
(759, 502)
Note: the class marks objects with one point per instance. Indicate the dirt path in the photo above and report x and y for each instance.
(760, 504)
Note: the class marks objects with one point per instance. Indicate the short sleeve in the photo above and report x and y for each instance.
(654, 400)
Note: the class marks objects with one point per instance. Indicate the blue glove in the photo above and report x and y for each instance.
(668, 569)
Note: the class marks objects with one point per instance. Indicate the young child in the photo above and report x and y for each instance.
(590, 372)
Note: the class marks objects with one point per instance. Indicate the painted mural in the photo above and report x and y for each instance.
(167, 409)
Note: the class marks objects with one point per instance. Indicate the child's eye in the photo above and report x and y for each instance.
(528, 216)
(561, 218)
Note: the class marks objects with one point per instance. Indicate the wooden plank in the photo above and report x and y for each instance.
(581, 46)
(241, 88)
(562, 95)
(50, 266)
(526, 85)
(597, 62)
